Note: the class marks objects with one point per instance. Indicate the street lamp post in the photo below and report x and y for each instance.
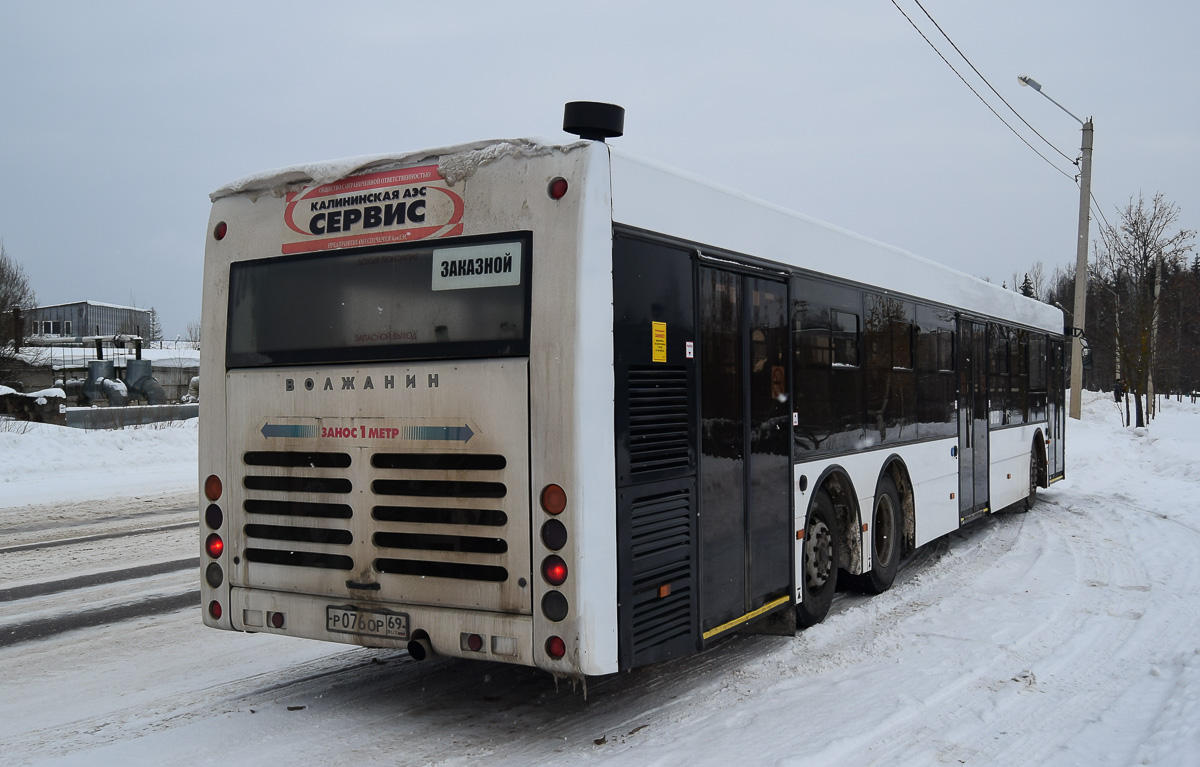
(1081, 251)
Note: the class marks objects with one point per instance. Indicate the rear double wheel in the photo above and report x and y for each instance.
(822, 555)
(885, 527)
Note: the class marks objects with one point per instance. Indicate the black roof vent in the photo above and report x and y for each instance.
(593, 120)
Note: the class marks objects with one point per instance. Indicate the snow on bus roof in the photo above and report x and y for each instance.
(454, 163)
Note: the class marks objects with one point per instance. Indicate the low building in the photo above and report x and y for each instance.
(84, 319)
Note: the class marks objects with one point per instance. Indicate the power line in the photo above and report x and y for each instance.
(1100, 210)
(988, 84)
(981, 99)
(1097, 209)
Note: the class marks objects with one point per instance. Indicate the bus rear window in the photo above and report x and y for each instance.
(422, 302)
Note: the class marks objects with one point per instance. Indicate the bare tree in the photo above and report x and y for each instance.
(15, 293)
(1132, 256)
(192, 334)
(1037, 278)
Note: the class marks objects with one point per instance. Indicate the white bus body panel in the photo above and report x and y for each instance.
(594, 450)
(932, 466)
(1009, 451)
(569, 392)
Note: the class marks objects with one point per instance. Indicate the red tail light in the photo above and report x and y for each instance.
(556, 647)
(557, 189)
(554, 570)
(214, 545)
(214, 609)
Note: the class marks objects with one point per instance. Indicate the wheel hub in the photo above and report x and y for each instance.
(885, 531)
(818, 554)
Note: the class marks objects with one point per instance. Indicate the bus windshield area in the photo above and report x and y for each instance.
(395, 303)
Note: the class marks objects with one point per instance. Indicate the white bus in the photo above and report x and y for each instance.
(549, 404)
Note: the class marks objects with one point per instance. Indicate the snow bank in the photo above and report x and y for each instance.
(45, 464)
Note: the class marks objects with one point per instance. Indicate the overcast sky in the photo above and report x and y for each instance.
(117, 119)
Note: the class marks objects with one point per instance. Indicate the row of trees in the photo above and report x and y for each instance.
(1143, 303)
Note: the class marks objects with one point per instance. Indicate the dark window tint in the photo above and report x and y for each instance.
(845, 337)
(889, 379)
(416, 302)
(1037, 377)
(1018, 376)
(827, 379)
(937, 387)
(998, 361)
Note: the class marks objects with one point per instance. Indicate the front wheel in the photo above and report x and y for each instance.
(822, 546)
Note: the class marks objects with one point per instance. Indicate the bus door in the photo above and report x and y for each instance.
(744, 477)
(972, 419)
(1056, 414)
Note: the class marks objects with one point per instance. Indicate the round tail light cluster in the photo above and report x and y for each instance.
(554, 568)
(214, 545)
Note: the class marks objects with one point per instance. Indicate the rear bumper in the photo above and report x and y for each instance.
(507, 638)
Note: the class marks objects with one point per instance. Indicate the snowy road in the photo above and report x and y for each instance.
(1069, 635)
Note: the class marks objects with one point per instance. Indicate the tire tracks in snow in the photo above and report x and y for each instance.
(1022, 702)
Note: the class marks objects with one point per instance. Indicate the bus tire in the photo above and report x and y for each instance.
(822, 555)
(1034, 473)
(885, 540)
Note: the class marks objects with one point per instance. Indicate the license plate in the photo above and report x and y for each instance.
(349, 620)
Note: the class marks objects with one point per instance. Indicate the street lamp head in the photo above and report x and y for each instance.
(1027, 80)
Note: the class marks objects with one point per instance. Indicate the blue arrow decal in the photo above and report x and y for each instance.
(285, 431)
(443, 433)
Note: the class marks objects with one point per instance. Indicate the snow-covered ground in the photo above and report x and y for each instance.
(43, 465)
(1066, 636)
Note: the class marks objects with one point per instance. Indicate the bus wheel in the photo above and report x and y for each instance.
(885, 540)
(821, 548)
(1034, 471)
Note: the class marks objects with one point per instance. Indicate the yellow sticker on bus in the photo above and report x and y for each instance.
(658, 341)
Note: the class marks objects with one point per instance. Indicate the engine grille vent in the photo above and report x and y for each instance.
(663, 592)
(440, 547)
(297, 459)
(658, 419)
(657, 621)
(292, 536)
(435, 515)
